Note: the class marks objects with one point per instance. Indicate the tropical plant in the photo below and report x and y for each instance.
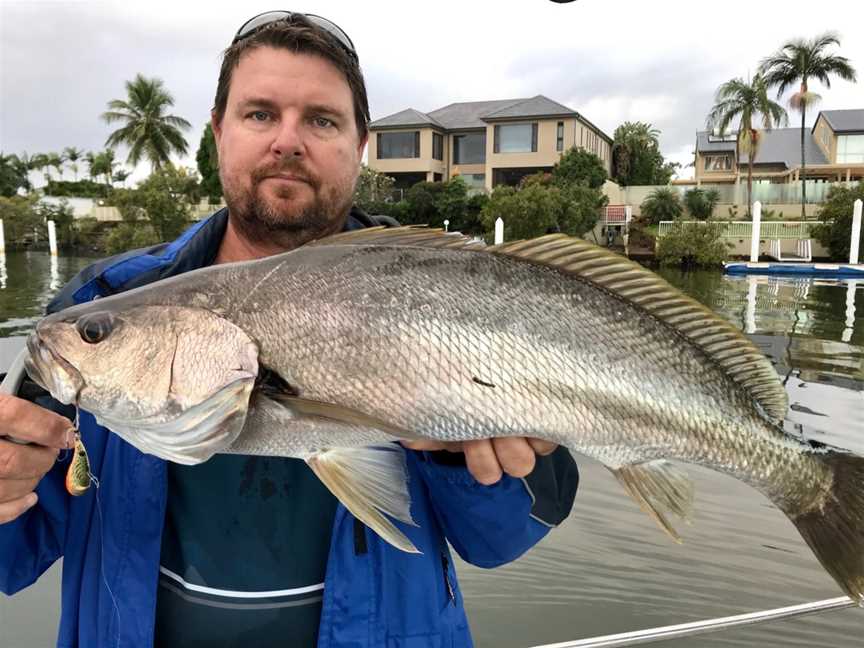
(147, 130)
(164, 199)
(207, 159)
(835, 230)
(20, 219)
(738, 99)
(577, 166)
(40, 162)
(72, 155)
(101, 164)
(663, 204)
(797, 62)
(55, 161)
(701, 202)
(636, 157)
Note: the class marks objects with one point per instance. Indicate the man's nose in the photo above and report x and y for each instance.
(288, 140)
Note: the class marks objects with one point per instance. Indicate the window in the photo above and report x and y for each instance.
(437, 146)
(398, 145)
(559, 138)
(718, 163)
(850, 149)
(476, 181)
(515, 138)
(469, 148)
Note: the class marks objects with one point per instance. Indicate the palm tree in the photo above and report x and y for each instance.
(631, 141)
(798, 61)
(55, 160)
(738, 99)
(72, 155)
(147, 130)
(39, 162)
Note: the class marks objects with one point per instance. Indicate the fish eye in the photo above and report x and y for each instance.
(95, 327)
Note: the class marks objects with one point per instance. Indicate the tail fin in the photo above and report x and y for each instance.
(835, 529)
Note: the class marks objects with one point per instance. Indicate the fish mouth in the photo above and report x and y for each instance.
(52, 371)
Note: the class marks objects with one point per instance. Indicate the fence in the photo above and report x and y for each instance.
(781, 230)
(732, 194)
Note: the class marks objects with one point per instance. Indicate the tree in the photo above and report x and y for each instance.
(164, 199)
(40, 162)
(20, 219)
(207, 159)
(580, 167)
(373, 188)
(799, 61)
(700, 202)
(636, 157)
(835, 231)
(55, 161)
(147, 130)
(737, 99)
(692, 245)
(72, 155)
(13, 175)
(662, 204)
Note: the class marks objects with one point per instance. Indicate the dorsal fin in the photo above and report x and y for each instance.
(718, 338)
(412, 235)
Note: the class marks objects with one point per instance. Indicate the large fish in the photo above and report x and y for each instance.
(333, 350)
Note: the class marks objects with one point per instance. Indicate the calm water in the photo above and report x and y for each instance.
(608, 569)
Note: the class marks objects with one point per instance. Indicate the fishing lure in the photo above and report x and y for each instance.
(78, 476)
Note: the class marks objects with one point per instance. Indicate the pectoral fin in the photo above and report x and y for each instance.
(659, 488)
(341, 414)
(370, 482)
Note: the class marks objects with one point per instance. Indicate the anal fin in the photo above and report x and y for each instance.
(370, 481)
(659, 488)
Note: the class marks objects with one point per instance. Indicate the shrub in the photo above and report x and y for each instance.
(835, 230)
(577, 166)
(662, 204)
(691, 245)
(700, 202)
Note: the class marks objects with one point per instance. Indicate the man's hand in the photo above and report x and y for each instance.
(22, 466)
(489, 459)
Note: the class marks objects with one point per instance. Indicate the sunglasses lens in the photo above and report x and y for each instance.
(268, 17)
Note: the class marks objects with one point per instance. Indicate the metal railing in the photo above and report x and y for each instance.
(662, 633)
(788, 230)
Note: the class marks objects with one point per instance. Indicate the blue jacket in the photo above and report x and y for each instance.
(374, 594)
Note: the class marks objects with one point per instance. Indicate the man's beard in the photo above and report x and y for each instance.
(260, 221)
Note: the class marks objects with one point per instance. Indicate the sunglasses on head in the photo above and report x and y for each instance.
(269, 17)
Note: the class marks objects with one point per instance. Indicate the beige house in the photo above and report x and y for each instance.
(487, 143)
(833, 152)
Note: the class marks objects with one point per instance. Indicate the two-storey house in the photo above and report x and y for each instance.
(487, 143)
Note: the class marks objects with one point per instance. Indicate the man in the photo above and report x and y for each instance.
(255, 550)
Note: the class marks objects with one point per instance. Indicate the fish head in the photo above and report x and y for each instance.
(171, 380)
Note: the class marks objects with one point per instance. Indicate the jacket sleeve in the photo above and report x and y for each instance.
(492, 525)
(30, 544)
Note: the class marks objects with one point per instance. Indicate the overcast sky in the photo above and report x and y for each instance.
(611, 60)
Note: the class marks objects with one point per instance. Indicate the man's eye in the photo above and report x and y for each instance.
(260, 115)
(322, 122)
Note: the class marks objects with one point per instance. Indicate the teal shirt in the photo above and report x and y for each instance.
(244, 554)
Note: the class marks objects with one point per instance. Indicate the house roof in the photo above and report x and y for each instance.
(844, 121)
(778, 146)
(470, 114)
(405, 118)
(467, 115)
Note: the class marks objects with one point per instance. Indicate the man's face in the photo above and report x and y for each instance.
(289, 151)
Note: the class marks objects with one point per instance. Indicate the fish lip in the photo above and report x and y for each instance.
(37, 365)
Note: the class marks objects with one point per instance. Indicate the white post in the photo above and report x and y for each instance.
(754, 240)
(856, 232)
(52, 237)
(446, 225)
(2, 239)
(499, 231)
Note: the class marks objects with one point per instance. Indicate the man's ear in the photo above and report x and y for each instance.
(363, 142)
(216, 125)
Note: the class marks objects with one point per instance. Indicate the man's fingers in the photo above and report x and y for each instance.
(481, 461)
(542, 447)
(25, 461)
(515, 455)
(11, 510)
(12, 489)
(24, 420)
